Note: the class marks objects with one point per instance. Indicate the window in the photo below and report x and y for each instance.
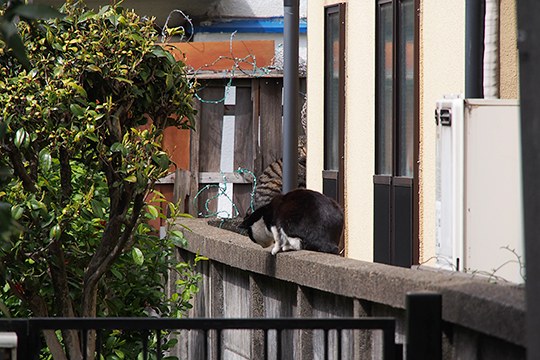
(396, 137)
(334, 101)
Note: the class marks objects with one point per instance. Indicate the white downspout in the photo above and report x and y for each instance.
(491, 50)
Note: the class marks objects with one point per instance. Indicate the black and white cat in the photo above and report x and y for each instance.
(300, 219)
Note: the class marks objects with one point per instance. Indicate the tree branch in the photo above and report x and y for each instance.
(113, 242)
(65, 174)
(17, 163)
(63, 301)
(39, 308)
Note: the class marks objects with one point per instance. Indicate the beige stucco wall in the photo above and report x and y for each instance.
(360, 128)
(442, 71)
(359, 118)
(315, 91)
(509, 66)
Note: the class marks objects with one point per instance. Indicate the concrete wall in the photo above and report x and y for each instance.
(482, 320)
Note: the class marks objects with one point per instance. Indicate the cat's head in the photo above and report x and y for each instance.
(258, 225)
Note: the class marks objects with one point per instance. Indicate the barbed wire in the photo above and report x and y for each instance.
(239, 65)
(222, 191)
(165, 34)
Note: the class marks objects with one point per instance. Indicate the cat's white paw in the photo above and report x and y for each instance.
(275, 249)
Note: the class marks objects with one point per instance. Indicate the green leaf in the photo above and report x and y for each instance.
(124, 80)
(177, 238)
(92, 137)
(176, 233)
(87, 15)
(159, 51)
(21, 138)
(97, 208)
(169, 82)
(17, 212)
(94, 68)
(55, 232)
(117, 147)
(45, 160)
(79, 89)
(138, 256)
(9, 34)
(152, 211)
(131, 179)
(76, 110)
(162, 160)
(117, 274)
(119, 353)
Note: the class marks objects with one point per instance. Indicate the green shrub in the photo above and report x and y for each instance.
(81, 141)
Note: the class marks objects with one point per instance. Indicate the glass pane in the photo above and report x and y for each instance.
(406, 90)
(385, 91)
(331, 96)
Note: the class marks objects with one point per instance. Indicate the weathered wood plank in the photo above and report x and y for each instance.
(211, 123)
(194, 145)
(255, 98)
(169, 179)
(182, 189)
(218, 177)
(271, 115)
(243, 145)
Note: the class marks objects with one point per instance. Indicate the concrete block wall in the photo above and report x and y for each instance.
(482, 320)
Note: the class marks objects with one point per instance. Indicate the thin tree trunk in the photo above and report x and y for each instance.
(39, 308)
(113, 242)
(61, 290)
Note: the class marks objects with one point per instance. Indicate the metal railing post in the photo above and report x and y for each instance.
(424, 326)
(28, 340)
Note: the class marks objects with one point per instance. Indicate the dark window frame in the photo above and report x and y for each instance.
(387, 186)
(333, 180)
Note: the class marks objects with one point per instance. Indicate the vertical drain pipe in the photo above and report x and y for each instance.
(491, 50)
(474, 48)
(290, 94)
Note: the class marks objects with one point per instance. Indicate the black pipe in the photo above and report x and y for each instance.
(290, 94)
(474, 48)
(529, 79)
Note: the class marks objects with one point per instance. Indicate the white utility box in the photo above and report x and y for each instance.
(479, 209)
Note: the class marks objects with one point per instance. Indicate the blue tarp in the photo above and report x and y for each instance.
(266, 25)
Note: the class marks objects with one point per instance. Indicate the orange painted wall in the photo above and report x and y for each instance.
(224, 55)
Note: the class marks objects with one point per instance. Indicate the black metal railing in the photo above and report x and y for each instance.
(423, 330)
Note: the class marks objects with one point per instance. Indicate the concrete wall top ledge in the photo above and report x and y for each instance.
(493, 309)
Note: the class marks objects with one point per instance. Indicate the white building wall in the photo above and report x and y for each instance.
(251, 8)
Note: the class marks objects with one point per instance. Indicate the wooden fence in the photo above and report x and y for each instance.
(237, 135)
